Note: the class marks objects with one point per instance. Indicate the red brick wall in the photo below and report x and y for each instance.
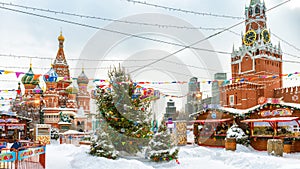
(247, 64)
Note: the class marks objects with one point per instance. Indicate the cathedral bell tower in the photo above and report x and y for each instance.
(61, 66)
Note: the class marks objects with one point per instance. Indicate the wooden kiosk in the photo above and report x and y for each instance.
(210, 127)
(274, 121)
(42, 133)
(13, 126)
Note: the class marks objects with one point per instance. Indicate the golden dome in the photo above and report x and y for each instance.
(61, 37)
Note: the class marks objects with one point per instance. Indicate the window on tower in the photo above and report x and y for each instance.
(257, 10)
(250, 11)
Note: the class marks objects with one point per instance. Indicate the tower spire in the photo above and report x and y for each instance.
(60, 64)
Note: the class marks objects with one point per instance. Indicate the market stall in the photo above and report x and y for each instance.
(13, 126)
(210, 127)
(274, 121)
(72, 137)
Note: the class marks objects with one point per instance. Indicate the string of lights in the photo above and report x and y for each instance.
(99, 60)
(74, 59)
(286, 42)
(43, 68)
(197, 42)
(78, 15)
(119, 60)
(113, 31)
(225, 29)
(109, 19)
(184, 10)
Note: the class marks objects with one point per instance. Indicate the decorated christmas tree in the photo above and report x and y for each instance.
(161, 148)
(126, 112)
(102, 146)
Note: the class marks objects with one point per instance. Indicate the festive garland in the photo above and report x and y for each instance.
(165, 156)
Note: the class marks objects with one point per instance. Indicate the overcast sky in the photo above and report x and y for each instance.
(27, 35)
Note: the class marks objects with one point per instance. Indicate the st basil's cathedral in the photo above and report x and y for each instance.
(62, 104)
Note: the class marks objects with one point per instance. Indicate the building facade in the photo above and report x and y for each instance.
(170, 110)
(62, 104)
(254, 64)
(194, 96)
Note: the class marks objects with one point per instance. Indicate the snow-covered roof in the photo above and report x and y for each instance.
(63, 122)
(211, 120)
(73, 132)
(244, 111)
(295, 105)
(59, 108)
(239, 111)
(273, 119)
(230, 110)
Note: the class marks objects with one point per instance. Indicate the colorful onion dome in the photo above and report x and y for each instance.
(61, 37)
(29, 77)
(50, 76)
(82, 78)
(71, 89)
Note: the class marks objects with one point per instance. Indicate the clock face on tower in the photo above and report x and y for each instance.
(249, 37)
(265, 36)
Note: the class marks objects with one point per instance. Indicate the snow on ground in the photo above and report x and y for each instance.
(68, 156)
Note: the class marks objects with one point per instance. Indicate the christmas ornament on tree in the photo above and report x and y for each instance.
(121, 108)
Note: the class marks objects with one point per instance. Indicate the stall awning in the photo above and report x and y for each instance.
(20, 124)
(51, 114)
(211, 120)
(273, 119)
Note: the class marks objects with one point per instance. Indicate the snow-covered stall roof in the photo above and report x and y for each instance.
(229, 110)
(273, 119)
(244, 111)
(295, 105)
(73, 132)
(239, 111)
(211, 120)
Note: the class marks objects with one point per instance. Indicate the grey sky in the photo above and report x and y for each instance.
(32, 36)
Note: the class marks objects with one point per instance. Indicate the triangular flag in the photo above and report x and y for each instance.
(220, 82)
(7, 71)
(36, 76)
(18, 74)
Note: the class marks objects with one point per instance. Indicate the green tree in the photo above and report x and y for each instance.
(126, 113)
(161, 147)
(103, 147)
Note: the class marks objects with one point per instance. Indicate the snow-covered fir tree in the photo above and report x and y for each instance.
(236, 132)
(161, 147)
(102, 146)
(126, 113)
